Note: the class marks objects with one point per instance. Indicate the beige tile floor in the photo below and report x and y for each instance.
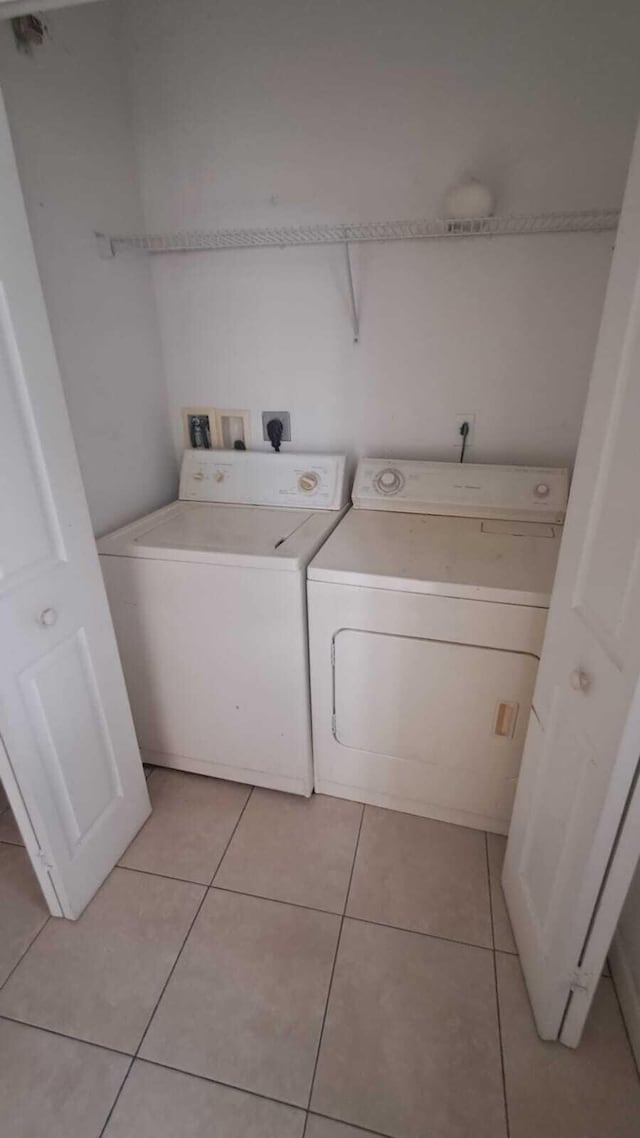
(262, 966)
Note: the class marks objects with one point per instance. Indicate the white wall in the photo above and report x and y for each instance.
(254, 113)
(69, 115)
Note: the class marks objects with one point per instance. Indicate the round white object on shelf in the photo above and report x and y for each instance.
(469, 199)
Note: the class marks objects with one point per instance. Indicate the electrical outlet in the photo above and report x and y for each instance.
(470, 418)
(285, 419)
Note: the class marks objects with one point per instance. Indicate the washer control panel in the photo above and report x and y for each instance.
(261, 478)
(462, 489)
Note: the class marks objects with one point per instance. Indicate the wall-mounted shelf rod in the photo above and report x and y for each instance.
(585, 221)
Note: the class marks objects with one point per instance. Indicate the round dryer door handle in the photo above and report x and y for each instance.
(580, 680)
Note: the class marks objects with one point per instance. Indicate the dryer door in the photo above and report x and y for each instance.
(441, 723)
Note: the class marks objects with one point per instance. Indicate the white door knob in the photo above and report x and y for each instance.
(580, 680)
(48, 617)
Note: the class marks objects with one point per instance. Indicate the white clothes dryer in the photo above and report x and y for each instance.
(208, 600)
(427, 611)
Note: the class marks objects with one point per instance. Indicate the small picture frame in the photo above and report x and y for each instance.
(200, 428)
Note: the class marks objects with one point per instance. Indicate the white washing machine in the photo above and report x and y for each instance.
(208, 600)
(427, 610)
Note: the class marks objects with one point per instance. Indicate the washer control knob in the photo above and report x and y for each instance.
(48, 617)
(219, 476)
(198, 476)
(308, 482)
(388, 481)
(542, 490)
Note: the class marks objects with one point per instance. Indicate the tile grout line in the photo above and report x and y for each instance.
(360, 920)
(187, 934)
(312, 908)
(107, 1120)
(333, 969)
(164, 876)
(261, 897)
(65, 1035)
(220, 1083)
(275, 900)
(307, 1112)
(22, 956)
(189, 1074)
(341, 1122)
(157, 1063)
(495, 983)
(343, 916)
(489, 879)
(231, 836)
(173, 968)
(254, 1094)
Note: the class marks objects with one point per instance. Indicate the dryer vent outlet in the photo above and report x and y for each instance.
(285, 419)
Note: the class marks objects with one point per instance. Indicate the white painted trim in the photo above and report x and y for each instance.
(287, 783)
(410, 806)
(628, 992)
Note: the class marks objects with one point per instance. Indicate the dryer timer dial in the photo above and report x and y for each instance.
(388, 481)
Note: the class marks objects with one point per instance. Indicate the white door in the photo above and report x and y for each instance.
(583, 741)
(69, 760)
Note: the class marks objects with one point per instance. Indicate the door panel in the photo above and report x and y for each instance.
(564, 827)
(550, 856)
(76, 751)
(30, 539)
(608, 573)
(69, 757)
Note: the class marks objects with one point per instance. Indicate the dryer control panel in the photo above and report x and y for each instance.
(262, 478)
(470, 490)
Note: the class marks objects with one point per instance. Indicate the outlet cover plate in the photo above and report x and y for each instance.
(233, 425)
(209, 426)
(285, 419)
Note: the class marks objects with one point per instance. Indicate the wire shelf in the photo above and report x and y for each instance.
(587, 221)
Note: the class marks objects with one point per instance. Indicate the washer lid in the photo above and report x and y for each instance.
(219, 534)
(474, 558)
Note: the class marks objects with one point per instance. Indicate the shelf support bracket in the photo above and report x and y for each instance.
(352, 295)
(105, 246)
